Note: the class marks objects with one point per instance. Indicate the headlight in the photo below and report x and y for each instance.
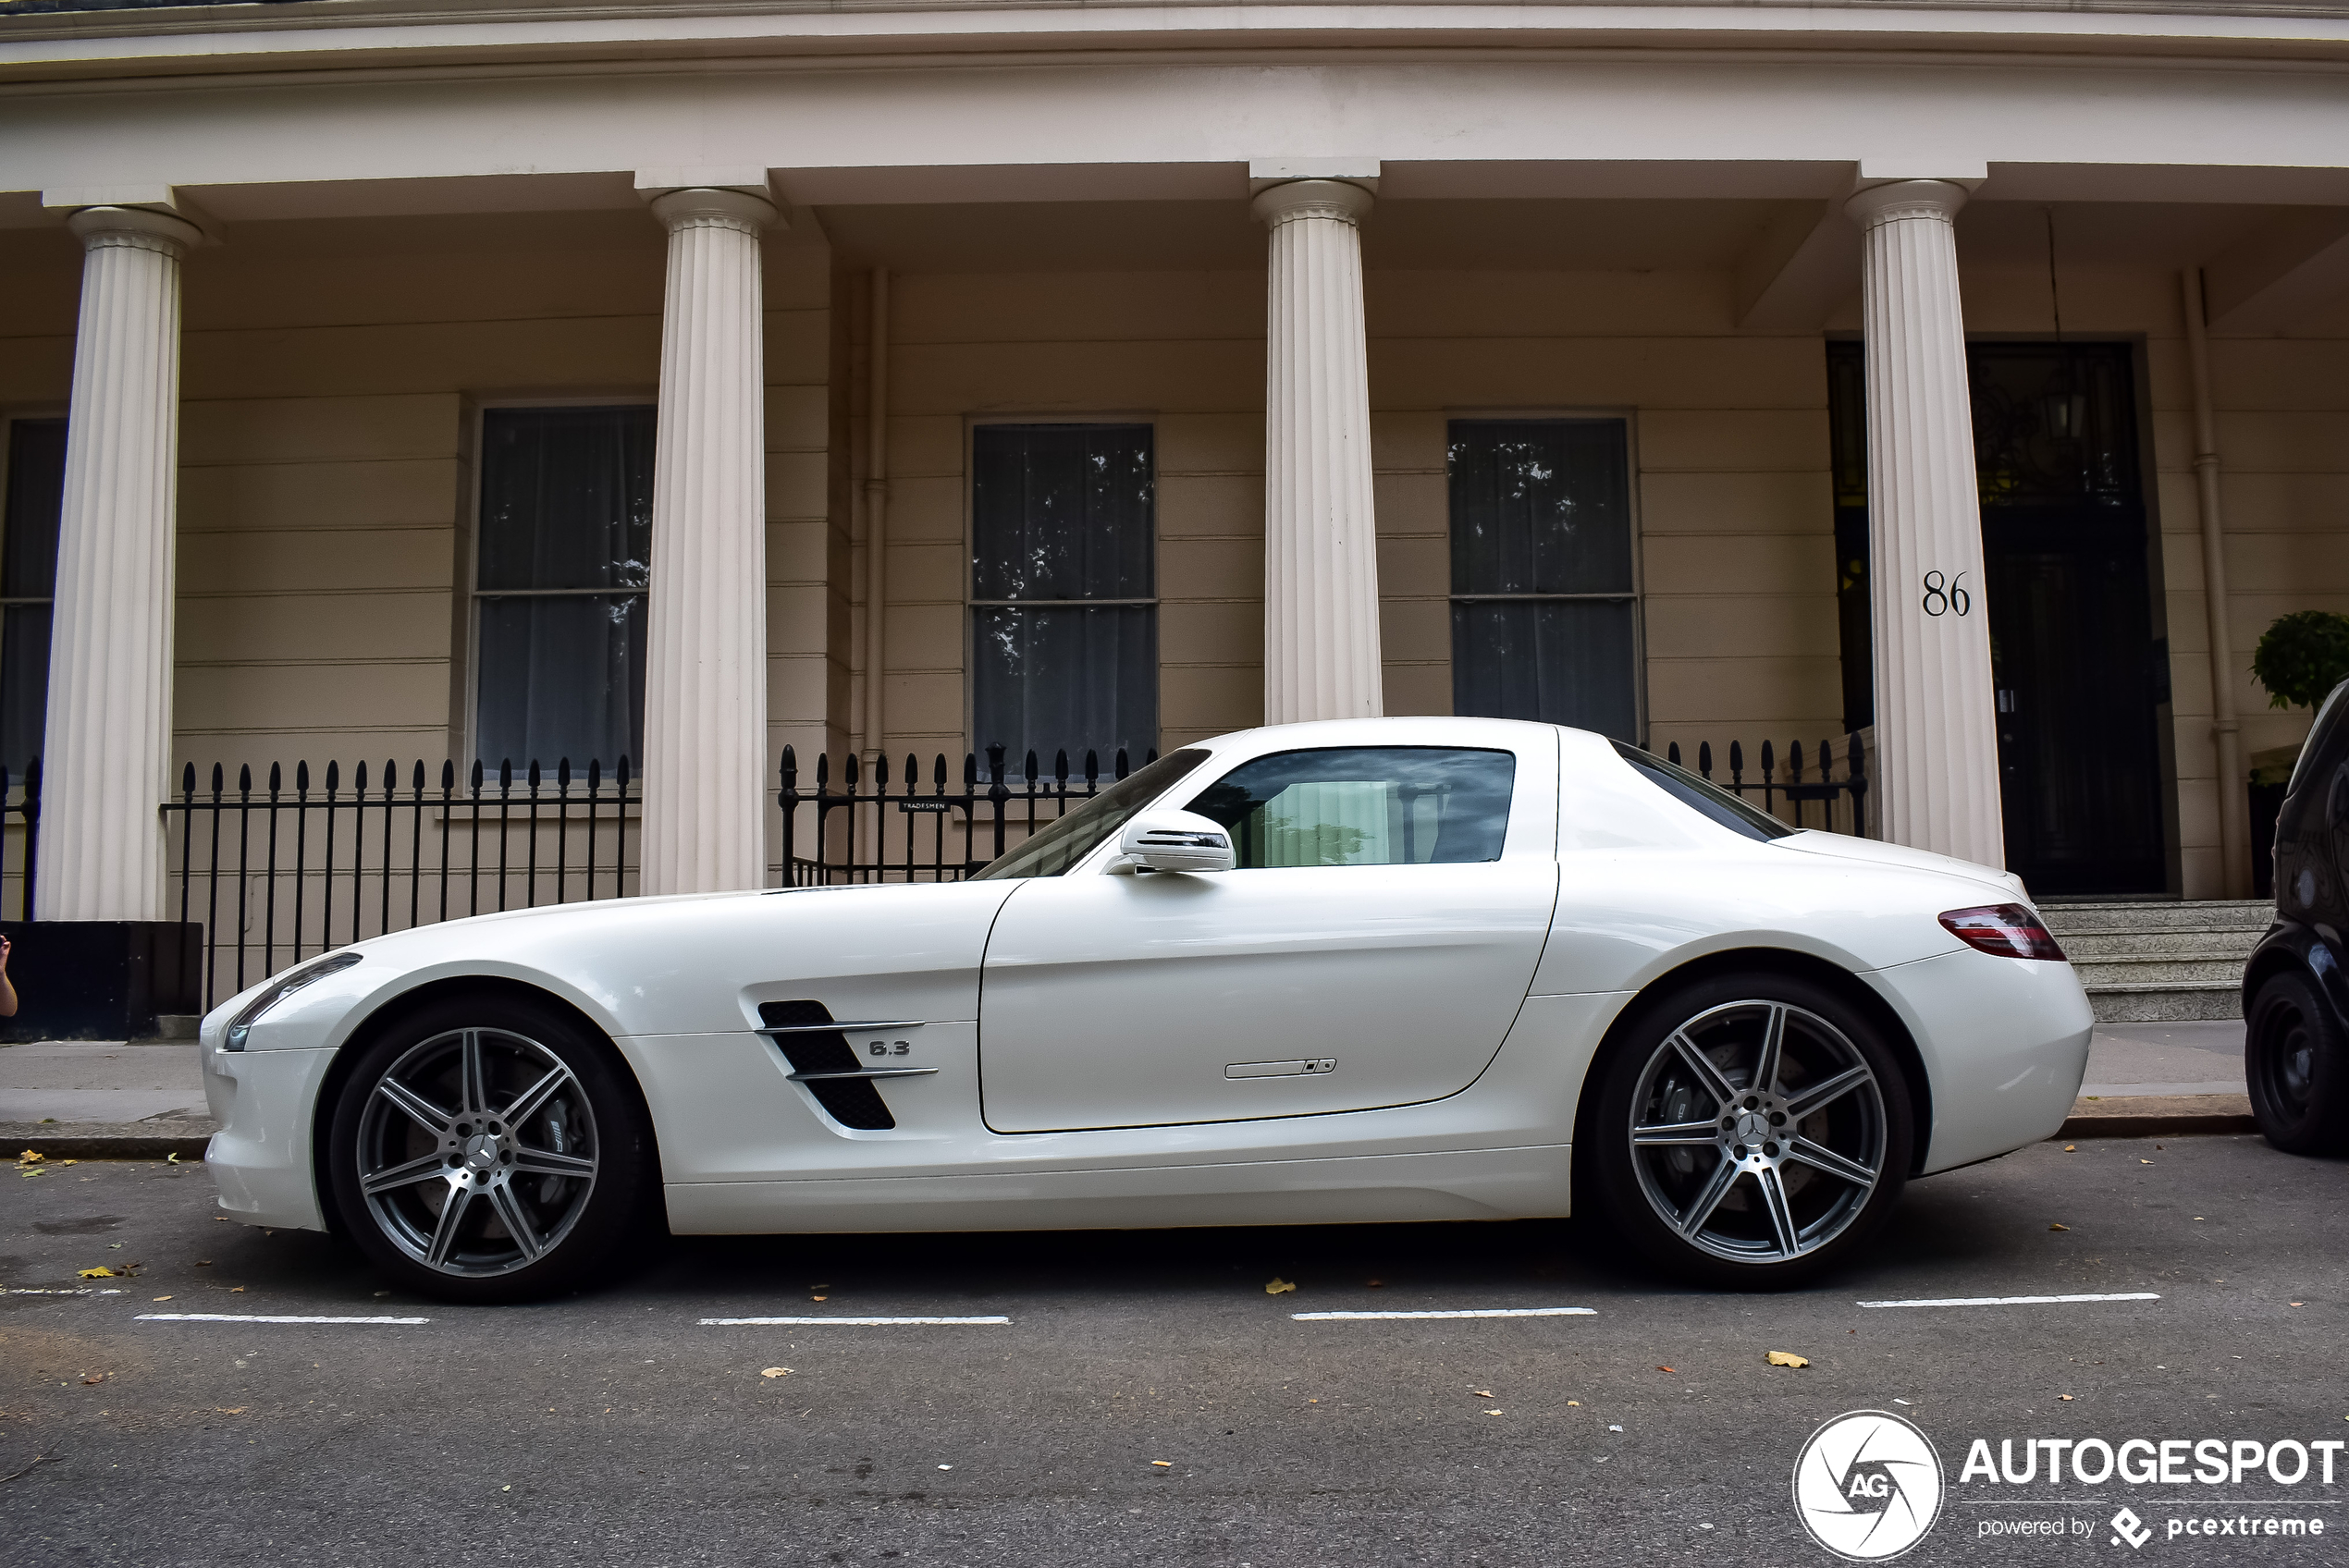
(286, 984)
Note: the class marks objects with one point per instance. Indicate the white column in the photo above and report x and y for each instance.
(1320, 544)
(106, 753)
(1936, 728)
(706, 763)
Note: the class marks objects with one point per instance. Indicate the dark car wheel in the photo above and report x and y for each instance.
(2297, 1066)
(1750, 1131)
(485, 1150)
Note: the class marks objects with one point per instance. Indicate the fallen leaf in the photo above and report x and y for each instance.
(34, 1171)
(222, 1217)
(2303, 1303)
(819, 1298)
(230, 1409)
(2072, 1148)
(93, 1378)
(1786, 1358)
(172, 1158)
(1161, 1465)
(68, 1162)
(101, 1272)
(2144, 1162)
(2059, 1227)
(1481, 1394)
(203, 1263)
(2066, 1398)
(32, 1156)
(1492, 1412)
(1663, 1369)
(163, 1298)
(1278, 1286)
(1576, 1402)
(236, 1289)
(775, 1372)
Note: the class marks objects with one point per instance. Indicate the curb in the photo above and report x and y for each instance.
(94, 1140)
(2155, 1116)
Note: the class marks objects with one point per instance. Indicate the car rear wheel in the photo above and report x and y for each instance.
(2297, 1066)
(1749, 1132)
(484, 1150)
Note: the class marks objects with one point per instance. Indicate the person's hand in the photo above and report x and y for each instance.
(4, 945)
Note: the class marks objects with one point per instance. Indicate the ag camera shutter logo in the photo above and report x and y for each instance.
(1867, 1486)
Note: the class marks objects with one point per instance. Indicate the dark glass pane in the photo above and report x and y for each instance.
(1071, 679)
(2054, 425)
(1062, 511)
(1568, 662)
(24, 684)
(36, 499)
(28, 570)
(566, 498)
(1540, 507)
(561, 677)
(1364, 805)
(1848, 442)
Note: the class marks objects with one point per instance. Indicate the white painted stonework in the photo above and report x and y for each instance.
(107, 752)
(1934, 724)
(706, 662)
(1321, 543)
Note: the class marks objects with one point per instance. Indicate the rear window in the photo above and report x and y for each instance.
(2321, 737)
(1709, 799)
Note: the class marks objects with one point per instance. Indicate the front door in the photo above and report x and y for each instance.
(2077, 673)
(1371, 948)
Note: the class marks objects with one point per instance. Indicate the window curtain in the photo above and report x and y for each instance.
(566, 539)
(1063, 515)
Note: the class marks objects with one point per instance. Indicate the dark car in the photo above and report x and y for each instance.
(2295, 997)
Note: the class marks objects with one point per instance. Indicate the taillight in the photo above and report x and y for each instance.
(2008, 930)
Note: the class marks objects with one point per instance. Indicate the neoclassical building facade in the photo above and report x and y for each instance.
(678, 381)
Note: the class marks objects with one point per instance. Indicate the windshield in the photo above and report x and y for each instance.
(1703, 796)
(1053, 849)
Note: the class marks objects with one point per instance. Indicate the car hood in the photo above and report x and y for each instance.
(1842, 846)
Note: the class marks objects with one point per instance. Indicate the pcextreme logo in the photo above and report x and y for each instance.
(1867, 1486)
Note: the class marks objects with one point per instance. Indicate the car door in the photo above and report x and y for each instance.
(1370, 948)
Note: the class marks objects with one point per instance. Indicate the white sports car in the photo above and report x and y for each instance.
(1378, 969)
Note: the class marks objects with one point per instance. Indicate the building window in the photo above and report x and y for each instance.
(29, 583)
(1063, 591)
(558, 585)
(1544, 602)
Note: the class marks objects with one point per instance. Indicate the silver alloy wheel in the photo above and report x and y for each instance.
(1758, 1132)
(477, 1152)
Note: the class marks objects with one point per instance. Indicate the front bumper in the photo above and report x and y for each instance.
(261, 1159)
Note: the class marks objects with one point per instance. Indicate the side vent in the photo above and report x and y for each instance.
(852, 1102)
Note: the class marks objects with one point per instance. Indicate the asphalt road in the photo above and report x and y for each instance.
(616, 1426)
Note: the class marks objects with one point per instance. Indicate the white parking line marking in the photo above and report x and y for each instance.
(2015, 1300)
(261, 1318)
(845, 1322)
(1469, 1312)
(33, 1291)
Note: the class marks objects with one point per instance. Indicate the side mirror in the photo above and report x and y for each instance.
(1172, 840)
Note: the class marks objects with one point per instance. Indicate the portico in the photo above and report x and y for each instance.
(1309, 339)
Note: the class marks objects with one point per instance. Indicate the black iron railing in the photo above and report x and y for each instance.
(275, 873)
(859, 830)
(1843, 803)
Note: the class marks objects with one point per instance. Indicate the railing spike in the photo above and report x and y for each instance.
(620, 773)
(594, 774)
(1092, 770)
(1704, 758)
(1672, 754)
(187, 780)
(562, 773)
(417, 783)
(941, 773)
(476, 775)
(302, 777)
(533, 773)
(1030, 772)
(791, 767)
(823, 769)
(1060, 766)
(1123, 767)
(358, 777)
(215, 778)
(448, 776)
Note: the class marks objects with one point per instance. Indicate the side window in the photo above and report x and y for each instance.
(27, 581)
(559, 589)
(1365, 805)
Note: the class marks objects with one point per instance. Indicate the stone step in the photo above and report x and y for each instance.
(2193, 941)
(2213, 914)
(2165, 1003)
(2158, 969)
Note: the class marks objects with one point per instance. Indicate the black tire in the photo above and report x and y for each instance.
(1776, 1187)
(2296, 1065)
(543, 1200)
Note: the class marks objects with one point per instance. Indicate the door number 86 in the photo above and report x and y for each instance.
(1943, 595)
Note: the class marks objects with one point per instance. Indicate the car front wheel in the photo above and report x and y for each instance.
(1750, 1131)
(2297, 1066)
(483, 1150)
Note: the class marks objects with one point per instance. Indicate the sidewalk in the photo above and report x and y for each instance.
(101, 1097)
